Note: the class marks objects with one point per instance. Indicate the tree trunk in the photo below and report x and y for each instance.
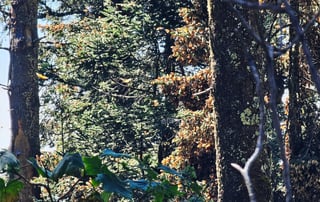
(294, 94)
(234, 92)
(24, 99)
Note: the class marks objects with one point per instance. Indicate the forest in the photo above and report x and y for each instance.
(165, 101)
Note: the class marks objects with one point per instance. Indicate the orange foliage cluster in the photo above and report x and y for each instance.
(194, 139)
(195, 147)
(190, 41)
(194, 143)
(55, 28)
(182, 88)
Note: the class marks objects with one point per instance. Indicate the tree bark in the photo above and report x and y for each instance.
(234, 92)
(23, 94)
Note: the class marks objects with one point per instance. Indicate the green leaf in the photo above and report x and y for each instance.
(196, 188)
(10, 191)
(41, 171)
(92, 165)
(111, 183)
(71, 164)
(151, 174)
(109, 152)
(8, 161)
(106, 196)
(14, 186)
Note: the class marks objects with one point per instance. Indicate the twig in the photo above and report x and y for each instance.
(246, 24)
(5, 48)
(5, 87)
(35, 184)
(202, 92)
(69, 191)
(300, 31)
(259, 146)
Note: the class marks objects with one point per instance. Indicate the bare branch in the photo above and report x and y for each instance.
(246, 24)
(5, 87)
(202, 92)
(5, 48)
(64, 196)
(300, 31)
(259, 146)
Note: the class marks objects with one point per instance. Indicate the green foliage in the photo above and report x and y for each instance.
(99, 92)
(41, 171)
(135, 178)
(111, 183)
(9, 191)
(8, 162)
(93, 165)
(71, 165)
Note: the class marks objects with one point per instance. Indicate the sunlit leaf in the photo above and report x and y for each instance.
(92, 165)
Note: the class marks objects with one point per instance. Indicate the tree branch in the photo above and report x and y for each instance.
(259, 146)
(5, 48)
(69, 191)
(36, 184)
(202, 92)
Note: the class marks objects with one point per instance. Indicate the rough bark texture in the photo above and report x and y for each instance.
(234, 91)
(294, 95)
(24, 100)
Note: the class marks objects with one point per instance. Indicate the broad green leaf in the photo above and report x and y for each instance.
(92, 165)
(71, 164)
(9, 192)
(165, 190)
(106, 196)
(13, 187)
(111, 183)
(8, 161)
(41, 171)
(109, 152)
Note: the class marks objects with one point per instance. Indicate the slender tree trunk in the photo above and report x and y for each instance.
(24, 99)
(218, 164)
(294, 94)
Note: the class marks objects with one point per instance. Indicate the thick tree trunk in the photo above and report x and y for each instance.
(24, 99)
(234, 92)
